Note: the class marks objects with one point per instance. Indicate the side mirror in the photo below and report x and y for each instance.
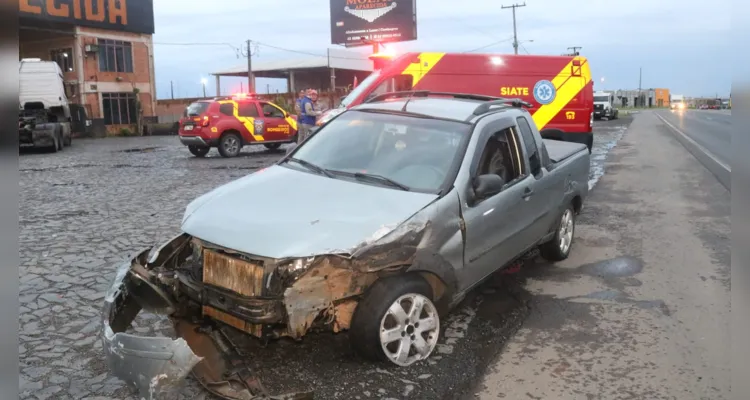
(267, 114)
(487, 185)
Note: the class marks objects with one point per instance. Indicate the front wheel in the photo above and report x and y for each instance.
(230, 145)
(199, 151)
(559, 247)
(272, 146)
(396, 321)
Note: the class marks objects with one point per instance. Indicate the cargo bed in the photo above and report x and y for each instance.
(560, 151)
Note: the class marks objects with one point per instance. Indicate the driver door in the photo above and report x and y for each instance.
(277, 128)
(494, 225)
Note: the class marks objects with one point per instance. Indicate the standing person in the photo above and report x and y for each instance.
(310, 112)
(298, 103)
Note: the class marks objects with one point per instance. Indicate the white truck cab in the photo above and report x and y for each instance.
(604, 106)
(44, 118)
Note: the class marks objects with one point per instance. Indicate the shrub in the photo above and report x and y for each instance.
(126, 132)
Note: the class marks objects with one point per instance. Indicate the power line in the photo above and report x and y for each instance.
(256, 43)
(524, 48)
(515, 32)
(472, 27)
(489, 45)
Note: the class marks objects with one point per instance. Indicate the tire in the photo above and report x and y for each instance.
(557, 249)
(272, 146)
(230, 145)
(373, 315)
(199, 151)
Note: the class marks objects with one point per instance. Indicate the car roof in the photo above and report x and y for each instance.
(457, 109)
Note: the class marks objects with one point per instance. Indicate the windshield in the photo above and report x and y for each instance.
(601, 98)
(197, 108)
(362, 87)
(418, 153)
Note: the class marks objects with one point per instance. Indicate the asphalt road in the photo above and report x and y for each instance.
(641, 308)
(707, 134)
(84, 210)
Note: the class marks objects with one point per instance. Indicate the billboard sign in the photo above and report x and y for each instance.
(135, 16)
(357, 22)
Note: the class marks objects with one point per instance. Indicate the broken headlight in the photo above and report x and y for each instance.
(287, 272)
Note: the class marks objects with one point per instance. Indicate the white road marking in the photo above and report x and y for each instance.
(696, 144)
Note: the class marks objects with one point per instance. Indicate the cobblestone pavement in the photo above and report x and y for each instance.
(84, 210)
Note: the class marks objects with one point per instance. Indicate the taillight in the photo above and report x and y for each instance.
(206, 121)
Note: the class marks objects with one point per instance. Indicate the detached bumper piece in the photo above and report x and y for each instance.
(154, 365)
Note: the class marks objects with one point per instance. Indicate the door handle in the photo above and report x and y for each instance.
(528, 192)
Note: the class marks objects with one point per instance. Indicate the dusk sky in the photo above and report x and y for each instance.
(681, 45)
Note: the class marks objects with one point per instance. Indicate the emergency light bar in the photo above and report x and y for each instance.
(238, 96)
(381, 58)
(242, 96)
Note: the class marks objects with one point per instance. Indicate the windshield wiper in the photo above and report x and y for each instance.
(311, 166)
(381, 179)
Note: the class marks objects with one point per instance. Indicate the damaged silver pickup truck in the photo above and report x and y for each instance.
(378, 224)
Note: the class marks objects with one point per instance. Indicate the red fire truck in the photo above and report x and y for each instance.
(559, 87)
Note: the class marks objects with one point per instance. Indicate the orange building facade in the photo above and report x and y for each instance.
(662, 97)
(106, 55)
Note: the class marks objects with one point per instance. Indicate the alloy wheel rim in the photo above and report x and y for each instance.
(566, 231)
(231, 145)
(409, 330)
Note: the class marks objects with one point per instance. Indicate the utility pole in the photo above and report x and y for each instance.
(575, 50)
(515, 31)
(171, 88)
(640, 80)
(250, 77)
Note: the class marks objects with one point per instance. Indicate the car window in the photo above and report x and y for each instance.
(532, 152)
(271, 111)
(501, 157)
(226, 109)
(196, 109)
(398, 83)
(416, 152)
(247, 109)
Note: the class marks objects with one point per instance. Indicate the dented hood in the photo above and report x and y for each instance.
(280, 212)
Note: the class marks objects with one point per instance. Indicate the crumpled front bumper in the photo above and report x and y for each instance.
(155, 365)
(151, 364)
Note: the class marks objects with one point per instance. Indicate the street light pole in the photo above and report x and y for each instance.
(203, 82)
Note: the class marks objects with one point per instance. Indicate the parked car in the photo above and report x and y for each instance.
(231, 122)
(379, 223)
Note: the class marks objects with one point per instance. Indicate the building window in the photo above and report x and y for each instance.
(63, 58)
(115, 56)
(119, 108)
